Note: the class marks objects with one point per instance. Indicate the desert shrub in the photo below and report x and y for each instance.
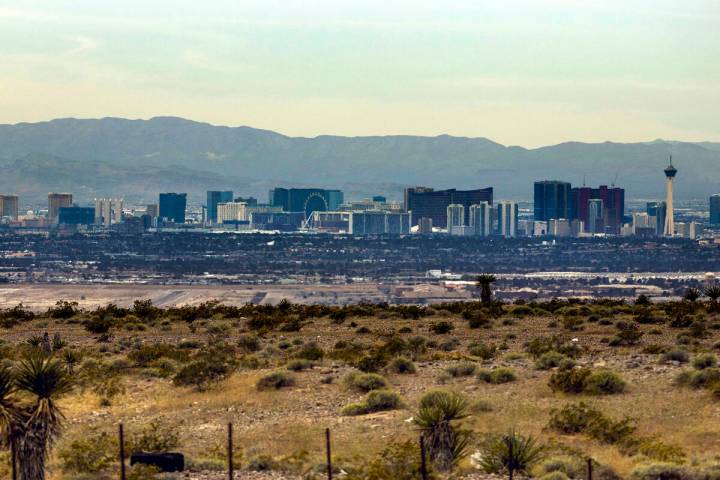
(154, 437)
(311, 351)
(476, 319)
(628, 334)
(462, 369)
(581, 418)
(364, 382)
(402, 365)
(573, 324)
(98, 325)
(660, 451)
(538, 346)
(148, 353)
(604, 382)
(63, 310)
(585, 380)
(372, 363)
(275, 381)
(249, 343)
(676, 355)
(91, 453)
(497, 375)
(210, 365)
(15, 315)
(663, 471)
(442, 327)
(375, 401)
(553, 359)
(143, 472)
(483, 351)
(299, 365)
(399, 461)
(699, 378)
(557, 475)
(707, 360)
(510, 452)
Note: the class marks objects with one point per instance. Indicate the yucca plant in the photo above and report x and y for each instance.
(483, 282)
(44, 380)
(439, 412)
(8, 413)
(713, 293)
(692, 294)
(511, 453)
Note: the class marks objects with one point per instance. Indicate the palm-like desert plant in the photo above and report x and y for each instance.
(44, 380)
(483, 282)
(713, 293)
(8, 412)
(510, 453)
(437, 417)
(692, 294)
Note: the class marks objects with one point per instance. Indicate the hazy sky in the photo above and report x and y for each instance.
(517, 71)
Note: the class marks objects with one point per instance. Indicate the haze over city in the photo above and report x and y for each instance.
(518, 72)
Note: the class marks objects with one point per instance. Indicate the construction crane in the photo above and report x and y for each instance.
(615, 179)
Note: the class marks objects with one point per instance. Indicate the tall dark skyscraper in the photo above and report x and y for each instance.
(172, 206)
(425, 202)
(715, 209)
(552, 200)
(213, 198)
(613, 199)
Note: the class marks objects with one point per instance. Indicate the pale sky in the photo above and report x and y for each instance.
(520, 72)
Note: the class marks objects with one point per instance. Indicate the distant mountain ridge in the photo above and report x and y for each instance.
(138, 158)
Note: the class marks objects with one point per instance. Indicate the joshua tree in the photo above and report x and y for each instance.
(437, 417)
(692, 294)
(8, 413)
(713, 293)
(511, 453)
(483, 283)
(44, 380)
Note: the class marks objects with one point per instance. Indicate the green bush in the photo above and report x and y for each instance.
(275, 381)
(483, 351)
(311, 351)
(402, 365)
(249, 343)
(585, 380)
(399, 461)
(210, 365)
(581, 418)
(462, 369)
(497, 375)
(707, 360)
(555, 476)
(365, 382)
(375, 401)
(299, 365)
(663, 471)
(699, 378)
(553, 359)
(442, 327)
(604, 382)
(154, 437)
(91, 453)
(676, 355)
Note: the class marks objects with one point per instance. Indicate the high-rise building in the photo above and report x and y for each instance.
(428, 203)
(9, 206)
(172, 206)
(551, 200)
(55, 202)
(213, 198)
(366, 222)
(595, 216)
(455, 216)
(559, 228)
(507, 215)
(480, 219)
(76, 215)
(715, 209)
(306, 200)
(231, 212)
(152, 210)
(108, 211)
(670, 173)
(613, 205)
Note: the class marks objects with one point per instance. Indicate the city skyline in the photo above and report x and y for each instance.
(521, 72)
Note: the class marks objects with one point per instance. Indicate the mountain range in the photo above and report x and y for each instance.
(139, 158)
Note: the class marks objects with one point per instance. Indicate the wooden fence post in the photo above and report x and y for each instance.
(13, 455)
(231, 466)
(589, 469)
(122, 451)
(423, 459)
(329, 454)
